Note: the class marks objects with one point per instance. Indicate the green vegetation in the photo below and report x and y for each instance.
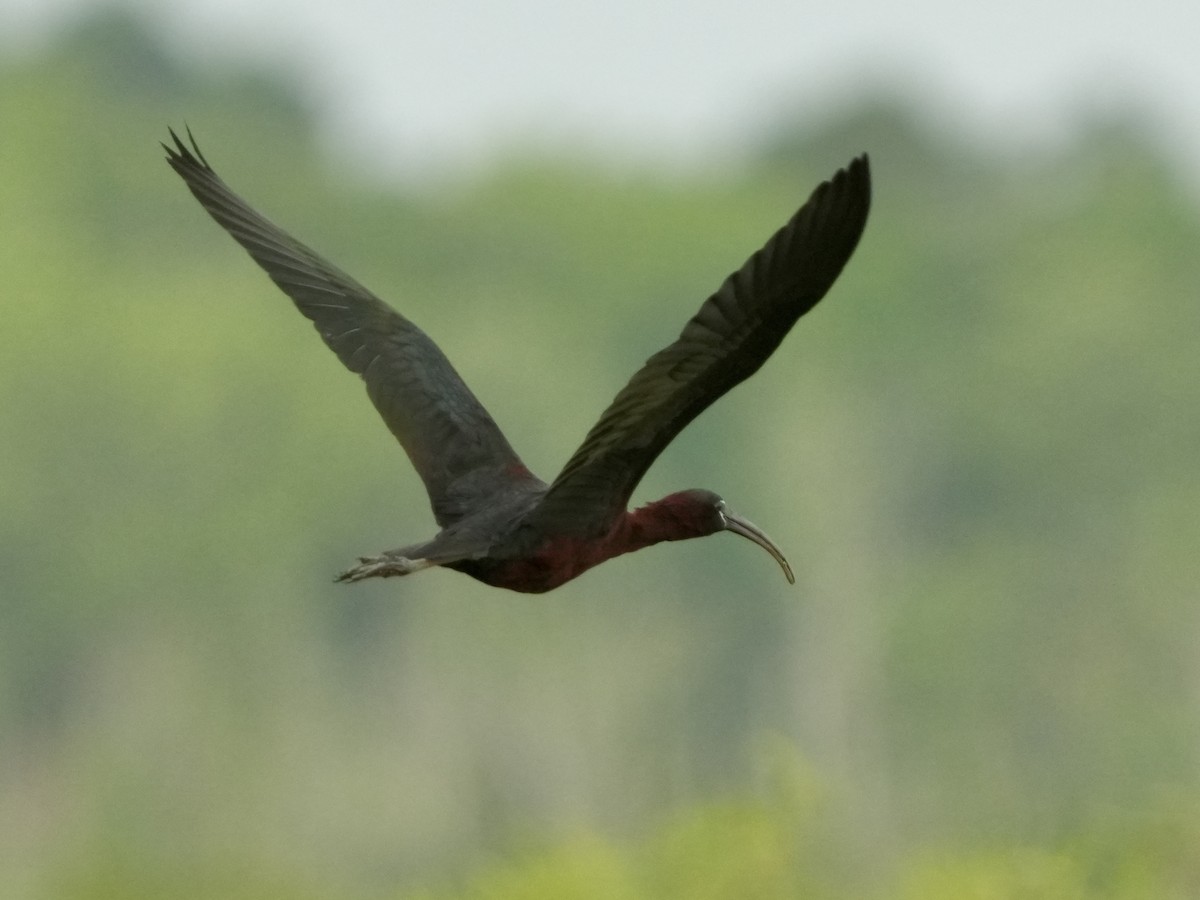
(979, 454)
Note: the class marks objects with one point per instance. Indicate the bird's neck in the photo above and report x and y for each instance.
(668, 519)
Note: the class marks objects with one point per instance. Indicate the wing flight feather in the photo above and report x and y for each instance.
(731, 336)
(455, 446)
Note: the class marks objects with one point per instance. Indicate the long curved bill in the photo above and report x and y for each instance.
(746, 529)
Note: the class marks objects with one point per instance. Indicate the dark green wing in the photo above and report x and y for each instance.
(726, 342)
(453, 443)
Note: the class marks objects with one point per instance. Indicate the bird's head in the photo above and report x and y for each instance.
(697, 513)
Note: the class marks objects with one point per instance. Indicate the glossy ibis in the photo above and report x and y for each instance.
(500, 523)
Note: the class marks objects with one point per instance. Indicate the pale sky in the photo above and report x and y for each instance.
(421, 82)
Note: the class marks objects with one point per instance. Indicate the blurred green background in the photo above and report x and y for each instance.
(978, 453)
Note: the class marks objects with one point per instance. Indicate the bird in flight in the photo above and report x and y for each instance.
(499, 522)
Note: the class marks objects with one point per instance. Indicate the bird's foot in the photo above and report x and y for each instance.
(383, 567)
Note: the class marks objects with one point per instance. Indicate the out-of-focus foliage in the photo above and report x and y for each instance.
(777, 846)
(978, 452)
(751, 852)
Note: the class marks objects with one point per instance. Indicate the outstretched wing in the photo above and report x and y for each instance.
(456, 448)
(726, 342)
